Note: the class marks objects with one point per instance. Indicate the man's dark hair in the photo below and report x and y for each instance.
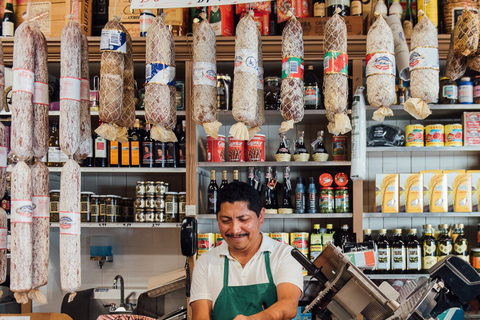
(240, 191)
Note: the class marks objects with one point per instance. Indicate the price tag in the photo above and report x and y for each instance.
(127, 225)
(103, 224)
(156, 225)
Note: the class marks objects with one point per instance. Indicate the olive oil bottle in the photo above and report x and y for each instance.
(413, 249)
(383, 252)
(429, 248)
(398, 252)
(445, 243)
(460, 245)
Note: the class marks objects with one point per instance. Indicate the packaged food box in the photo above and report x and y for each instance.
(435, 192)
(411, 192)
(221, 19)
(475, 176)
(459, 191)
(263, 7)
(386, 193)
(262, 20)
(471, 128)
(299, 9)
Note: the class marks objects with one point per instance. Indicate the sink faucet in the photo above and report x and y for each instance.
(122, 289)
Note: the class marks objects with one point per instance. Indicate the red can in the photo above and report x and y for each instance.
(339, 146)
(236, 150)
(256, 148)
(216, 149)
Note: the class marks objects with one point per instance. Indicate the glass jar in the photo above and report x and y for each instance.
(140, 189)
(139, 215)
(150, 202)
(54, 205)
(150, 189)
(159, 188)
(448, 91)
(110, 208)
(94, 208)
(475, 258)
(342, 203)
(327, 200)
(182, 201)
(272, 93)
(171, 206)
(101, 209)
(85, 206)
(476, 90)
(224, 91)
(149, 215)
(160, 209)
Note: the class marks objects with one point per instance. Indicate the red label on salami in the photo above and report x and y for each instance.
(41, 206)
(69, 223)
(70, 88)
(22, 211)
(335, 62)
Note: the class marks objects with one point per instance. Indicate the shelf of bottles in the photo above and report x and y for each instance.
(123, 225)
(121, 170)
(422, 215)
(425, 149)
(293, 216)
(274, 163)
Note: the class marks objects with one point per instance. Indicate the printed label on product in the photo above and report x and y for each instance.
(53, 154)
(70, 88)
(335, 62)
(22, 211)
(424, 58)
(3, 156)
(476, 91)
(383, 259)
(23, 80)
(41, 206)
(413, 258)
(451, 92)
(84, 90)
(146, 21)
(69, 223)
(100, 148)
(398, 258)
(260, 80)
(292, 67)
(312, 94)
(465, 94)
(113, 40)
(40, 93)
(380, 63)
(246, 61)
(8, 28)
(204, 73)
(160, 73)
(3, 238)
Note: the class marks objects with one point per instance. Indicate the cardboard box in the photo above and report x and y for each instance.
(125, 14)
(411, 192)
(57, 15)
(221, 19)
(264, 7)
(315, 26)
(133, 28)
(475, 175)
(386, 193)
(459, 191)
(262, 21)
(435, 192)
(471, 128)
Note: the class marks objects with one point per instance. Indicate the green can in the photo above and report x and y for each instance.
(342, 200)
(327, 200)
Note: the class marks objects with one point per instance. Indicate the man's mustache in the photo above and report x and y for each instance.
(231, 235)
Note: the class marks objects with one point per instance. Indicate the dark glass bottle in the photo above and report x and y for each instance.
(315, 242)
(53, 147)
(328, 236)
(8, 23)
(251, 176)
(398, 252)
(235, 176)
(319, 8)
(271, 202)
(287, 188)
(101, 147)
(367, 237)
(445, 243)
(312, 89)
(429, 249)
(300, 144)
(383, 252)
(320, 147)
(135, 141)
(332, 5)
(345, 236)
(147, 149)
(283, 147)
(182, 156)
(460, 246)
(6, 202)
(312, 196)
(414, 253)
(273, 19)
(224, 179)
(212, 193)
(89, 160)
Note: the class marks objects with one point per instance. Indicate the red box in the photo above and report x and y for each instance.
(263, 7)
(221, 19)
(471, 128)
(236, 150)
(216, 149)
(299, 9)
(256, 148)
(262, 21)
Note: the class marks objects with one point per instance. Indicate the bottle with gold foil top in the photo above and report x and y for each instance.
(224, 179)
(383, 252)
(460, 244)
(413, 250)
(445, 243)
(429, 248)
(135, 141)
(398, 252)
(235, 176)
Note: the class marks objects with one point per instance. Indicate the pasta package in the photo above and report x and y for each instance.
(459, 185)
(435, 192)
(386, 193)
(411, 192)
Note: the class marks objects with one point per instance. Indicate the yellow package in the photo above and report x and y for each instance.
(475, 174)
(430, 171)
(462, 193)
(435, 192)
(411, 192)
(451, 174)
(386, 193)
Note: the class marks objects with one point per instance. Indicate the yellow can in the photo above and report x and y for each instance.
(299, 240)
(434, 135)
(218, 239)
(282, 237)
(414, 135)
(453, 135)
(206, 242)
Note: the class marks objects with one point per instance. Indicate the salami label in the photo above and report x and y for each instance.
(3, 238)
(113, 40)
(41, 206)
(3, 156)
(69, 223)
(40, 93)
(204, 73)
(23, 80)
(246, 61)
(424, 58)
(160, 73)
(335, 62)
(292, 67)
(260, 80)
(69, 88)
(380, 63)
(2, 75)
(84, 90)
(21, 211)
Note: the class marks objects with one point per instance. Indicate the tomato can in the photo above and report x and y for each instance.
(256, 148)
(434, 135)
(453, 135)
(216, 149)
(339, 145)
(415, 136)
(299, 240)
(218, 239)
(282, 237)
(206, 242)
(236, 150)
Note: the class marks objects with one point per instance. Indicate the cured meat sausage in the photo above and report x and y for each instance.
(3, 159)
(380, 69)
(85, 144)
(3, 245)
(70, 258)
(466, 33)
(112, 67)
(40, 97)
(21, 229)
(127, 118)
(70, 74)
(22, 91)
(205, 79)
(40, 229)
(457, 63)
(2, 77)
(244, 105)
(335, 80)
(260, 118)
(160, 75)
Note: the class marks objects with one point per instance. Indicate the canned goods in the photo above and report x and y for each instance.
(453, 135)
(140, 188)
(149, 215)
(342, 200)
(282, 237)
(54, 205)
(434, 135)
(299, 240)
(414, 134)
(236, 150)
(94, 208)
(218, 239)
(206, 242)
(85, 206)
(182, 201)
(216, 149)
(139, 215)
(256, 148)
(171, 206)
(327, 200)
(339, 146)
(150, 188)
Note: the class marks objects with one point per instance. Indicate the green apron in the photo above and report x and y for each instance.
(246, 300)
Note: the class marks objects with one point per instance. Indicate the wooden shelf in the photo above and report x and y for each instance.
(291, 216)
(424, 149)
(138, 113)
(309, 164)
(440, 113)
(88, 170)
(124, 225)
(422, 215)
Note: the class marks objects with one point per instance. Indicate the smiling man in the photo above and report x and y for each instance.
(249, 276)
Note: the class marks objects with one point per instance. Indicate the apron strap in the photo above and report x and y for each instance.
(267, 266)
(225, 273)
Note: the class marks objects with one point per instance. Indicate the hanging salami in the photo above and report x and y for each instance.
(2, 77)
(457, 63)
(260, 117)
(127, 118)
(292, 88)
(160, 82)
(335, 80)
(244, 105)
(204, 76)
(3, 214)
(466, 33)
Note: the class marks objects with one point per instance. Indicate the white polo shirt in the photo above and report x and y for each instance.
(207, 279)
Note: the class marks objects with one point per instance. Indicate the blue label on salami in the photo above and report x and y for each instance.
(113, 40)
(160, 73)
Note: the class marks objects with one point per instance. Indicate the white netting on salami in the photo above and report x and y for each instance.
(127, 118)
(335, 82)
(2, 77)
(3, 154)
(380, 53)
(160, 59)
(244, 102)
(260, 117)
(204, 95)
(40, 109)
(85, 122)
(3, 246)
(457, 63)
(466, 33)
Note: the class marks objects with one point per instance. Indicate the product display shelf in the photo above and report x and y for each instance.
(425, 149)
(309, 164)
(138, 113)
(123, 225)
(440, 112)
(87, 170)
(422, 215)
(292, 216)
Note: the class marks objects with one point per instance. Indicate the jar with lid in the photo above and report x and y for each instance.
(327, 200)
(110, 208)
(224, 90)
(475, 258)
(342, 201)
(94, 208)
(159, 188)
(160, 209)
(272, 93)
(465, 91)
(101, 209)
(149, 215)
(140, 189)
(182, 201)
(150, 188)
(171, 206)
(139, 215)
(448, 91)
(54, 205)
(476, 90)
(85, 197)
